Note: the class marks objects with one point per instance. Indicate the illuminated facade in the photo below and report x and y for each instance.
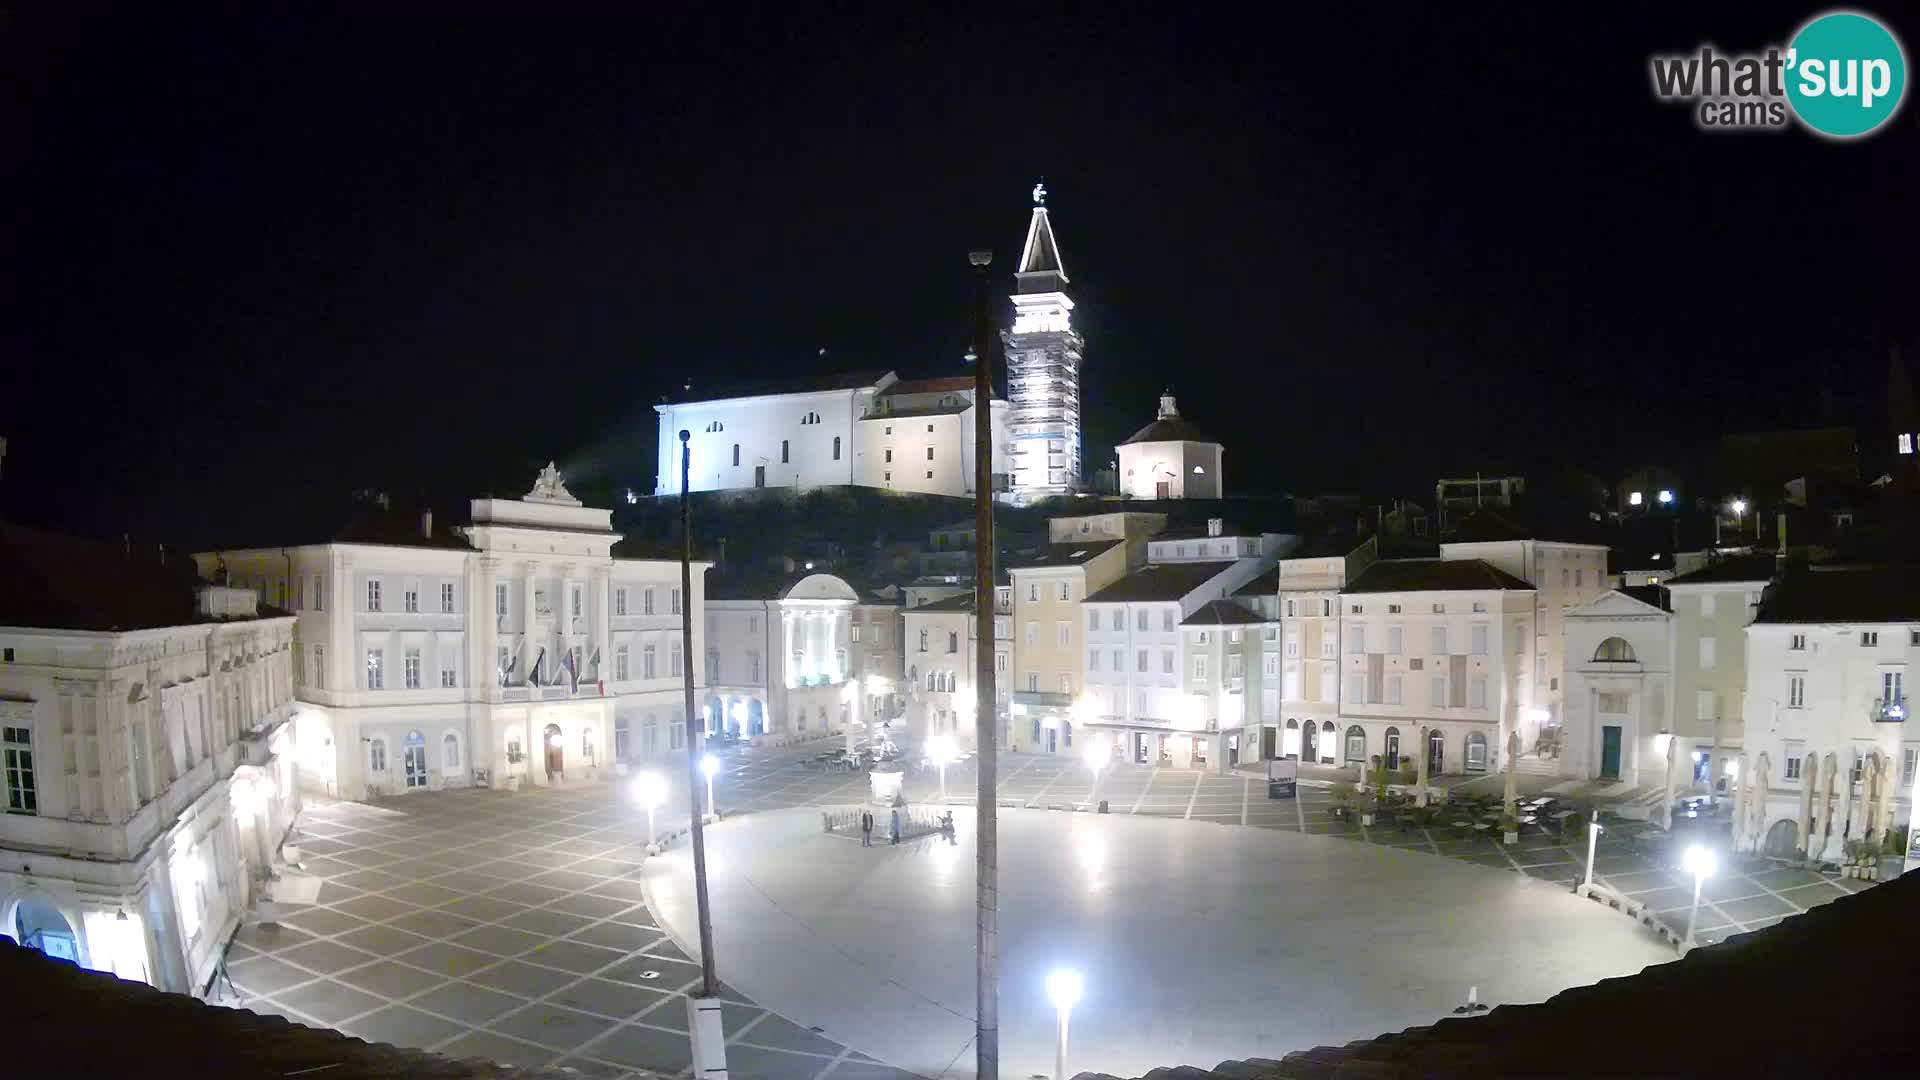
(146, 728)
(1169, 459)
(1043, 368)
(781, 662)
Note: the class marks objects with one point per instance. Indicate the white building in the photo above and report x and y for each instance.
(1440, 646)
(146, 733)
(858, 428)
(1165, 652)
(1044, 354)
(1170, 459)
(1828, 750)
(1619, 700)
(780, 659)
(517, 649)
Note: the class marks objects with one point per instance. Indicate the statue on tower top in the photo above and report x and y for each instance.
(548, 488)
(1040, 193)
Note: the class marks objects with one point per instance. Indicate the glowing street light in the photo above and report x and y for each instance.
(1666, 497)
(1063, 989)
(942, 750)
(1739, 508)
(708, 766)
(650, 790)
(1699, 862)
(1099, 751)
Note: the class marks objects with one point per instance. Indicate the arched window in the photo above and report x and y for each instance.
(1393, 749)
(1326, 744)
(923, 641)
(1477, 750)
(1356, 744)
(377, 756)
(836, 448)
(1614, 651)
(450, 751)
(736, 454)
(1436, 752)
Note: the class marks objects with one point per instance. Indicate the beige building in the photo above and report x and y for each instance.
(1084, 555)
(1712, 608)
(943, 644)
(1308, 597)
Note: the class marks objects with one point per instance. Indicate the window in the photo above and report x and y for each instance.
(1579, 578)
(1796, 691)
(1395, 690)
(1166, 661)
(411, 668)
(377, 756)
(713, 665)
(1479, 607)
(500, 601)
(1707, 653)
(953, 640)
(621, 667)
(646, 602)
(1356, 692)
(320, 667)
(1703, 705)
(1479, 634)
(753, 667)
(1439, 609)
(450, 752)
(1293, 647)
(1326, 609)
(446, 598)
(1000, 663)
(1066, 684)
(373, 594)
(673, 659)
(1614, 651)
(319, 592)
(836, 448)
(1033, 592)
(1093, 659)
(1869, 639)
(1357, 641)
(1200, 668)
(676, 735)
(1033, 634)
(449, 670)
(573, 602)
(784, 458)
(1393, 609)
(1140, 661)
(929, 450)
(753, 624)
(619, 601)
(1329, 678)
(1908, 755)
(1355, 609)
(376, 669)
(673, 602)
(649, 661)
(16, 746)
(1328, 646)
(1119, 619)
(1140, 619)
(736, 454)
(1033, 687)
(889, 454)
(1065, 589)
(923, 639)
(1797, 642)
(1093, 620)
(1437, 696)
(1565, 574)
(410, 598)
(1393, 640)
(1890, 688)
(1269, 665)
(1477, 692)
(1439, 641)
(1063, 634)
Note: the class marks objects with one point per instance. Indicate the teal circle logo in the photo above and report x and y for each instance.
(1845, 74)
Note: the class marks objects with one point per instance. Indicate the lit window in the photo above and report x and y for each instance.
(373, 594)
(16, 746)
(1906, 442)
(446, 597)
(376, 669)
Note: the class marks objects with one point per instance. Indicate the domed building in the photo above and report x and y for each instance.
(1170, 459)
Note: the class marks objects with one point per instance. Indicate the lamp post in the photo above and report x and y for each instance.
(1593, 841)
(709, 1041)
(941, 750)
(986, 870)
(650, 790)
(708, 766)
(1739, 508)
(1699, 862)
(1098, 753)
(1063, 989)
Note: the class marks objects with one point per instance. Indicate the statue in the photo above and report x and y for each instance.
(548, 488)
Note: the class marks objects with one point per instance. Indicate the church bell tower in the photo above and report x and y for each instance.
(1043, 368)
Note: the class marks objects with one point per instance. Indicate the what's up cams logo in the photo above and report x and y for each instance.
(1842, 76)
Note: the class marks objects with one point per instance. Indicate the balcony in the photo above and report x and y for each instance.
(1891, 710)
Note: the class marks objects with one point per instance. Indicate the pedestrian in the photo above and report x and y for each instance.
(866, 828)
(893, 832)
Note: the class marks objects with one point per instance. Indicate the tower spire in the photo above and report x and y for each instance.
(1040, 268)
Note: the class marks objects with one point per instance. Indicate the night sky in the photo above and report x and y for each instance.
(257, 259)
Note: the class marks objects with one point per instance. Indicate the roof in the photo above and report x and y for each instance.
(918, 410)
(1201, 532)
(55, 1030)
(1160, 581)
(1485, 526)
(1853, 594)
(1074, 554)
(1041, 252)
(1222, 613)
(54, 582)
(1168, 429)
(1650, 595)
(1736, 569)
(1788, 977)
(1433, 575)
(957, 384)
(782, 384)
(962, 602)
(1267, 584)
(1329, 544)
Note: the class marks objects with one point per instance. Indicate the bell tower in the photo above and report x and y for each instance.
(1043, 368)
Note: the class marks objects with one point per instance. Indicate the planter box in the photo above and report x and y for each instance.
(1367, 820)
(1510, 838)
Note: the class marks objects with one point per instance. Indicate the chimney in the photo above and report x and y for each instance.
(426, 524)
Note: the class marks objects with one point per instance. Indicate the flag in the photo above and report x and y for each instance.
(506, 673)
(595, 663)
(572, 668)
(533, 672)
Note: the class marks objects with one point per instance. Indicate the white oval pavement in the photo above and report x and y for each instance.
(1198, 942)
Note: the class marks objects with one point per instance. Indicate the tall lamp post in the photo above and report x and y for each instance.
(941, 750)
(986, 875)
(1699, 862)
(1063, 989)
(703, 1011)
(1739, 508)
(710, 765)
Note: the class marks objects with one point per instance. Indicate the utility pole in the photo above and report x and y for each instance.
(986, 719)
(703, 1012)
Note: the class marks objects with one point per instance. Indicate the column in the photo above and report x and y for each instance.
(601, 643)
(483, 624)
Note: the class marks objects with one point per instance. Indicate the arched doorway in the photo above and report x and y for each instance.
(1310, 742)
(415, 758)
(38, 925)
(556, 753)
(1290, 740)
(1393, 749)
(1783, 839)
(1476, 752)
(1329, 746)
(756, 717)
(1356, 745)
(1436, 752)
(714, 715)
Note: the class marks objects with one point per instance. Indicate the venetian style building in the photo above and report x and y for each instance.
(147, 730)
(522, 648)
(1044, 355)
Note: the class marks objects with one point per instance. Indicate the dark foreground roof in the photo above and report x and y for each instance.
(1169, 429)
(1863, 594)
(1070, 554)
(1222, 613)
(960, 602)
(1433, 575)
(1650, 595)
(1738, 568)
(1160, 581)
(1267, 584)
(54, 582)
(1779, 998)
(66, 1021)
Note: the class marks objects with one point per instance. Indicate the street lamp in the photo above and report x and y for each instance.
(1098, 752)
(1666, 496)
(650, 790)
(941, 750)
(1699, 862)
(708, 766)
(1063, 989)
(1739, 508)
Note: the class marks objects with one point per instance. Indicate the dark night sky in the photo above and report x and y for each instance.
(255, 259)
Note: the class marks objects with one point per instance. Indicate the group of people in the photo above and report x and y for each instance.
(893, 827)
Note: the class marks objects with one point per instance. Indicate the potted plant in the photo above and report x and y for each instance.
(1509, 829)
(1369, 802)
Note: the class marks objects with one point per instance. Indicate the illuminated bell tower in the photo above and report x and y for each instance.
(1043, 368)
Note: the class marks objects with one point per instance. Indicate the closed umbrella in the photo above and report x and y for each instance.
(1825, 807)
(1740, 794)
(1513, 754)
(1420, 760)
(1887, 777)
(1809, 780)
(1757, 801)
(1666, 804)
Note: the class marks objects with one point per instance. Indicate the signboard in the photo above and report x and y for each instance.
(1283, 775)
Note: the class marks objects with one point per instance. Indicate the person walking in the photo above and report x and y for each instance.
(866, 828)
(893, 831)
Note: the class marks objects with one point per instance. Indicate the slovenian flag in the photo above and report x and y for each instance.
(533, 673)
